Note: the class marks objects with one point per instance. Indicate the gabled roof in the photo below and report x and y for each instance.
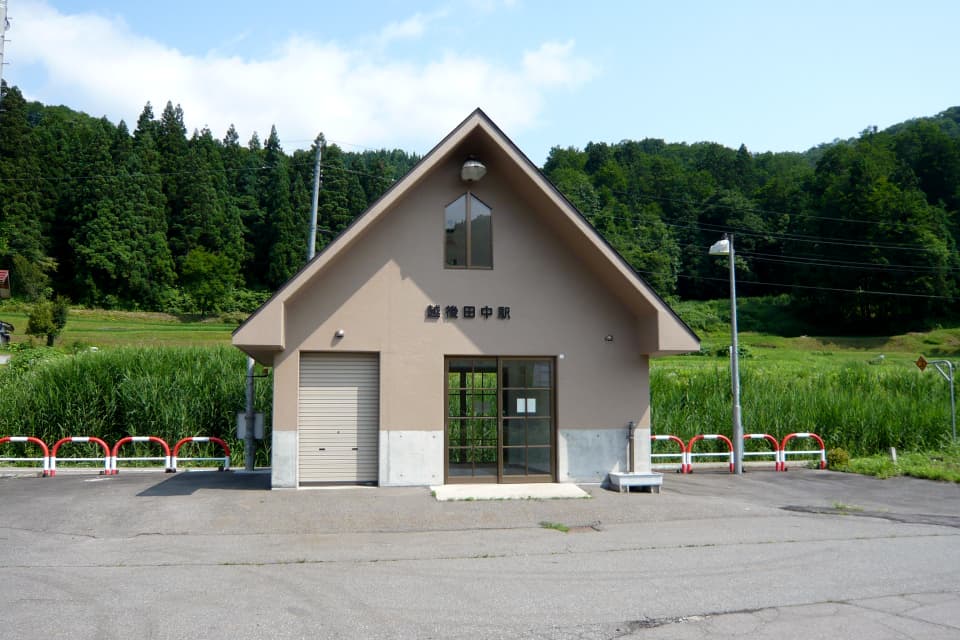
(268, 320)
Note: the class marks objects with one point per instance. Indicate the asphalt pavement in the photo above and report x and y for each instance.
(804, 553)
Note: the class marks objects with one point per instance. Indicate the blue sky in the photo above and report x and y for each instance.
(774, 76)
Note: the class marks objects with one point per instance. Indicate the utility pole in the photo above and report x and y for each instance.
(4, 26)
(317, 185)
(249, 443)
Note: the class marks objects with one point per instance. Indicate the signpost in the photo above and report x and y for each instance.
(922, 364)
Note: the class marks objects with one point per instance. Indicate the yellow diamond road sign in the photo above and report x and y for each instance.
(921, 363)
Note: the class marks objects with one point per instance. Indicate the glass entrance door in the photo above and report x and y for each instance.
(500, 420)
(472, 412)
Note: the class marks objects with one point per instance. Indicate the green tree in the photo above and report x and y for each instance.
(29, 280)
(171, 143)
(48, 318)
(210, 218)
(286, 229)
(342, 196)
(208, 278)
(21, 211)
(898, 242)
(119, 243)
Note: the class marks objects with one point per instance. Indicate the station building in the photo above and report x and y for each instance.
(470, 326)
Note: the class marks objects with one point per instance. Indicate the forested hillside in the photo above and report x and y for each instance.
(156, 219)
(860, 234)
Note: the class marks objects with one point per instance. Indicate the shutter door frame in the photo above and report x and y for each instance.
(338, 418)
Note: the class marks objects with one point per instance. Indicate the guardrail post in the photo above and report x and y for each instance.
(769, 438)
(107, 468)
(225, 460)
(683, 450)
(709, 436)
(163, 443)
(822, 451)
(37, 441)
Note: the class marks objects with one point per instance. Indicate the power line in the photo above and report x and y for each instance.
(705, 204)
(785, 285)
(754, 209)
(844, 264)
(715, 228)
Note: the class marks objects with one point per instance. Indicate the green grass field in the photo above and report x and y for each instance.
(98, 328)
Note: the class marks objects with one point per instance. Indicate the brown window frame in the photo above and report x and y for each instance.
(468, 236)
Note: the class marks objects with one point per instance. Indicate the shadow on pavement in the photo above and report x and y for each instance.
(189, 482)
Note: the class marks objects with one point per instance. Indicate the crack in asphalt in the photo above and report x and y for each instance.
(630, 627)
(484, 556)
(904, 518)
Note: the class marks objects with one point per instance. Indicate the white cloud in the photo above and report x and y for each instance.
(411, 28)
(97, 65)
(554, 65)
(490, 6)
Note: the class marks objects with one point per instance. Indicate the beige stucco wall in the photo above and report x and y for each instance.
(377, 293)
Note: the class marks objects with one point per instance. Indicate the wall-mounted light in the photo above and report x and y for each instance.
(472, 170)
(608, 337)
(339, 333)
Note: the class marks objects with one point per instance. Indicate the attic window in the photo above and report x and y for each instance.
(468, 237)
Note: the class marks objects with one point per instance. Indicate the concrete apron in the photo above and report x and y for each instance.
(533, 491)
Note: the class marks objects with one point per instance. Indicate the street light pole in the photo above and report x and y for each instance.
(725, 247)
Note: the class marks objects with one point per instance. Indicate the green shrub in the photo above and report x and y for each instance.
(837, 458)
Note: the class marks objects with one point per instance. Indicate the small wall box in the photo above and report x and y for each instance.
(257, 426)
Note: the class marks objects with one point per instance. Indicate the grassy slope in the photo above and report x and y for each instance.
(94, 327)
(101, 328)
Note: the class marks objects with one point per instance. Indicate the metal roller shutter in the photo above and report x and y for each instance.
(339, 417)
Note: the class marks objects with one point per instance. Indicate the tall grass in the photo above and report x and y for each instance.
(864, 409)
(173, 392)
(170, 392)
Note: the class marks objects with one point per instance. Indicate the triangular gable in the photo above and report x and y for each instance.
(263, 332)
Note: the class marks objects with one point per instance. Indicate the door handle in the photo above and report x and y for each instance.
(322, 449)
(356, 448)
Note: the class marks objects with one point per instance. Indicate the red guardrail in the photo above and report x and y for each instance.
(822, 450)
(683, 450)
(224, 461)
(777, 463)
(106, 453)
(166, 458)
(37, 441)
(710, 436)
(110, 457)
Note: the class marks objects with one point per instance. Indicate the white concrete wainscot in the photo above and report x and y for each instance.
(411, 458)
(589, 455)
(283, 472)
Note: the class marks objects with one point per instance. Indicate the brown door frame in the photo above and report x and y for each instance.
(500, 477)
